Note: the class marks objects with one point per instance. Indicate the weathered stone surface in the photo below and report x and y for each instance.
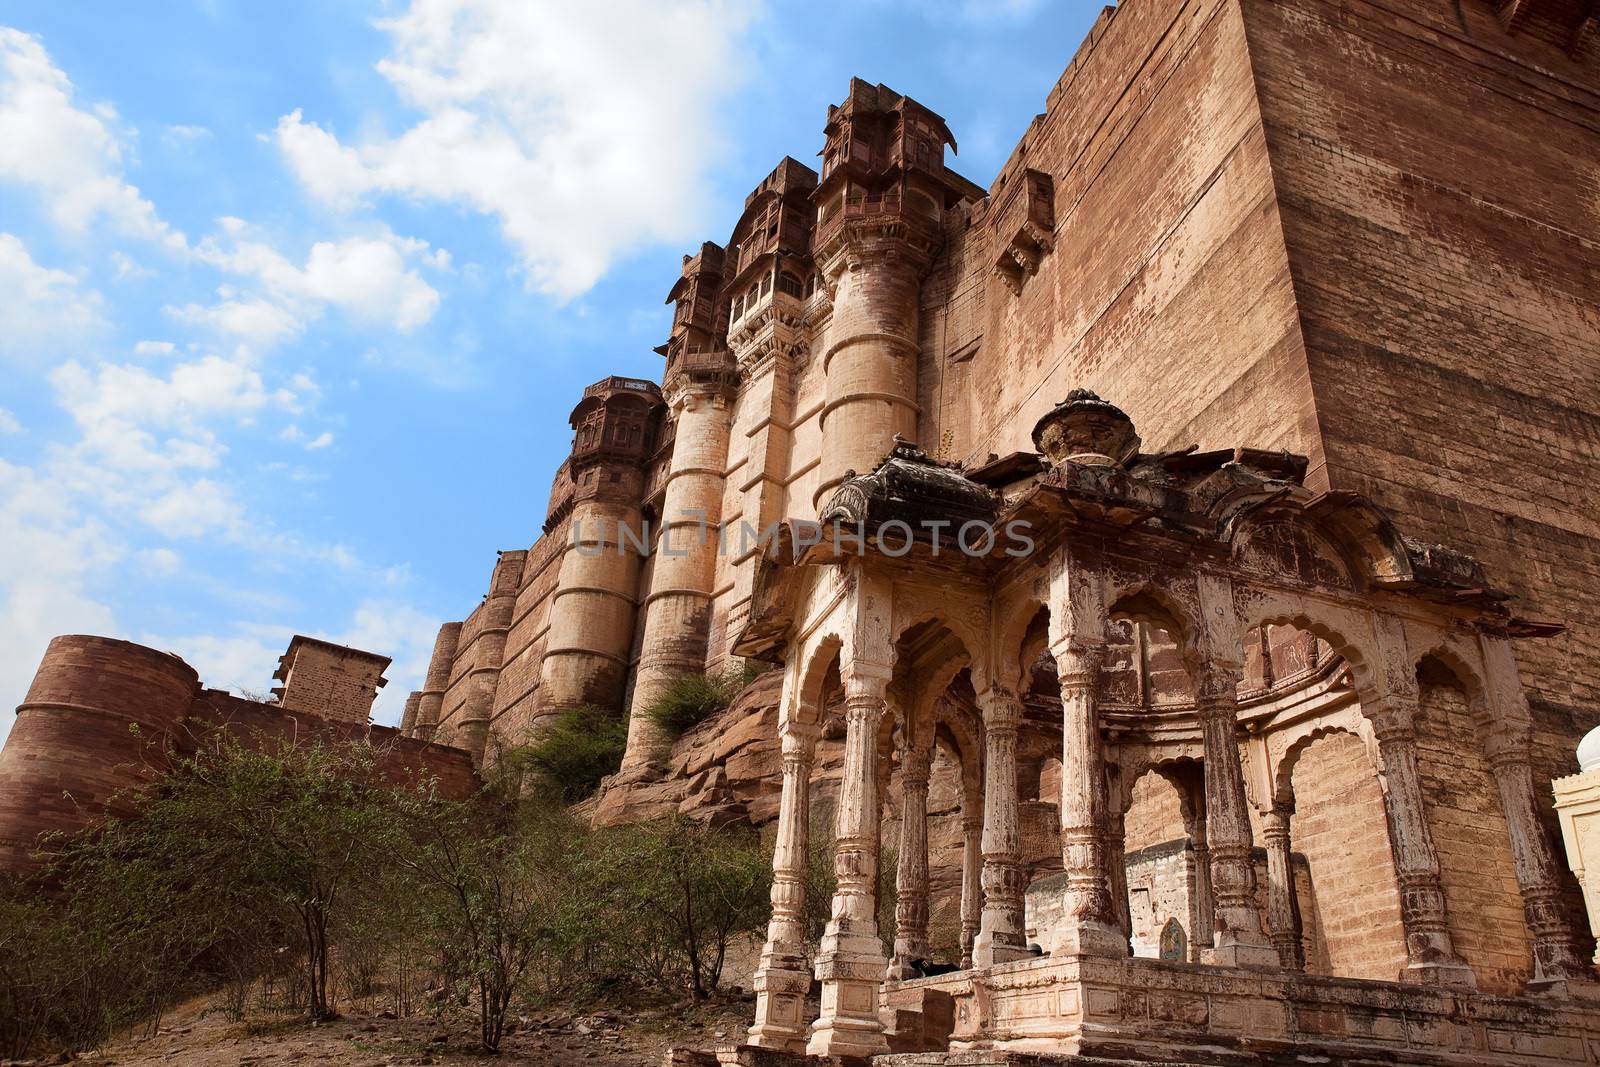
(1330, 265)
(103, 718)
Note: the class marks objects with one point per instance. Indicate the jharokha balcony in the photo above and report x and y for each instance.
(917, 213)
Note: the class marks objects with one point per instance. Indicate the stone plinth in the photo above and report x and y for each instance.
(1143, 1009)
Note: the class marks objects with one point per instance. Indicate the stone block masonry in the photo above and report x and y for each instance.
(103, 718)
(1340, 251)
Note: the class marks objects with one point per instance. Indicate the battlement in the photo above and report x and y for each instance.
(105, 717)
(332, 681)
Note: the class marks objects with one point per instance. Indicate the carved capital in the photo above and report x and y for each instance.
(864, 710)
(798, 741)
(915, 765)
(1217, 687)
(1509, 743)
(1002, 709)
(868, 681)
(1078, 665)
(1394, 721)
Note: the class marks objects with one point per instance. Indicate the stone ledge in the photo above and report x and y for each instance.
(1160, 1011)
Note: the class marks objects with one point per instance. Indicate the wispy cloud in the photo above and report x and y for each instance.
(45, 311)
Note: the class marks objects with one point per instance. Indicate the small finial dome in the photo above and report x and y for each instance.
(1589, 751)
(1085, 429)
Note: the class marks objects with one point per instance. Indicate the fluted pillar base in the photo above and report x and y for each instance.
(781, 984)
(1089, 937)
(1452, 973)
(851, 968)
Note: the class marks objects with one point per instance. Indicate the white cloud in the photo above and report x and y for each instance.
(43, 310)
(128, 269)
(194, 509)
(71, 157)
(149, 443)
(330, 171)
(154, 348)
(160, 562)
(322, 440)
(369, 278)
(121, 396)
(259, 324)
(9, 423)
(586, 129)
(179, 135)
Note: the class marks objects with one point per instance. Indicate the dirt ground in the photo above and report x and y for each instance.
(616, 1037)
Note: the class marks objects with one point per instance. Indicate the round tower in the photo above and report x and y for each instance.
(488, 652)
(701, 381)
(771, 294)
(880, 209)
(593, 606)
(97, 721)
(440, 664)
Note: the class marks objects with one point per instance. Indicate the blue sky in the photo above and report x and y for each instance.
(295, 298)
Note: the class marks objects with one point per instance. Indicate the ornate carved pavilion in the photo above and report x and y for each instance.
(929, 634)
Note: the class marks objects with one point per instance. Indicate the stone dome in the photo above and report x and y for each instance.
(1589, 750)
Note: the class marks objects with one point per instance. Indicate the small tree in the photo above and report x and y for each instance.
(692, 888)
(497, 878)
(239, 846)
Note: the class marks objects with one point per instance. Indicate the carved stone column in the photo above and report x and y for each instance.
(911, 876)
(1000, 928)
(1556, 957)
(1202, 909)
(1431, 958)
(1117, 866)
(1089, 921)
(1283, 909)
(850, 962)
(971, 874)
(782, 978)
(1239, 940)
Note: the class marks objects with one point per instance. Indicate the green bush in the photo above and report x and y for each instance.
(575, 750)
(691, 699)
